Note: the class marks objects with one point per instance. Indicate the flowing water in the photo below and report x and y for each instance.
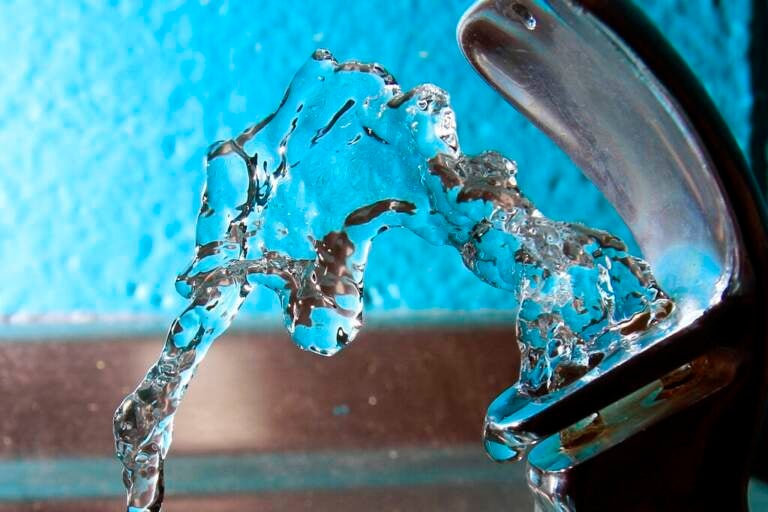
(294, 203)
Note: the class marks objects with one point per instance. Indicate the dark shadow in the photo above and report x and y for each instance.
(758, 62)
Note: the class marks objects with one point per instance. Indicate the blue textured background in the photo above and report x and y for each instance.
(106, 109)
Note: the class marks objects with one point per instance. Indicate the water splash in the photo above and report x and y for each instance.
(294, 203)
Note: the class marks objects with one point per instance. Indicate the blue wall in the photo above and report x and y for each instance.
(106, 109)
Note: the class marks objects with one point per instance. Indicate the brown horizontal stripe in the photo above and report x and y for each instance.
(511, 497)
(259, 393)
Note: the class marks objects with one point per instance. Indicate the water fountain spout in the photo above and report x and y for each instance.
(667, 424)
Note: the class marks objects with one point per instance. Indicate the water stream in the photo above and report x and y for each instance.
(293, 204)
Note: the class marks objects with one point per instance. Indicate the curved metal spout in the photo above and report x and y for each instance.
(602, 83)
(580, 83)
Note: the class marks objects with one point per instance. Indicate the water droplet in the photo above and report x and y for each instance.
(341, 410)
(520, 12)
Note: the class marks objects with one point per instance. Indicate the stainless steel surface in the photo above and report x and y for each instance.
(510, 497)
(391, 423)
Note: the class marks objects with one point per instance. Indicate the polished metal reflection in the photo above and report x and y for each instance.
(578, 82)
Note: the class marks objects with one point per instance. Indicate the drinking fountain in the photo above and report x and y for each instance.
(666, 422)
(670, 422)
